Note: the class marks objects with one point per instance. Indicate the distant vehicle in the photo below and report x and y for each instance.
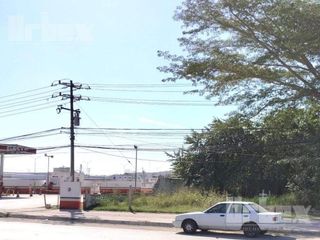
(249, 217)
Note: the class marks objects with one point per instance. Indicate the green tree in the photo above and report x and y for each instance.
(260, 54)
(280, 153)
(295, 143)
(227, 156)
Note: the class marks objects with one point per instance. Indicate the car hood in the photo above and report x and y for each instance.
(186, 215)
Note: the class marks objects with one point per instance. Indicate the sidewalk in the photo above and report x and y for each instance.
(138, 219)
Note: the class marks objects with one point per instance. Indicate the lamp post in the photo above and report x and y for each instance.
(136, 168)
(48, 156)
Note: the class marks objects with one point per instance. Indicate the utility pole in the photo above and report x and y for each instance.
(72, 137)
(74, 114)
(48, 180)
(1, 173)
(136, 168)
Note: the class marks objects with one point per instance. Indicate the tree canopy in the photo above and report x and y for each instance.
(260, 54)
(278, 154)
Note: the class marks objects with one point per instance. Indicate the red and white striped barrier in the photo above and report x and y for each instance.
(70, 196)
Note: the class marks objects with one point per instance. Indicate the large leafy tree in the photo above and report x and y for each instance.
(280, 153)
(228, 156)
(260, 54)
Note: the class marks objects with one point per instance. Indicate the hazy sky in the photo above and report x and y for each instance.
(93, 42)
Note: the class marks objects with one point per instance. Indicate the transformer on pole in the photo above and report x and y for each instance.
(74, 113)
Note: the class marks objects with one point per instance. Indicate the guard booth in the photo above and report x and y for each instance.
(12, 149)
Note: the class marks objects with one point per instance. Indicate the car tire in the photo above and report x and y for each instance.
(263, 232)
(251, 230)
(189, 226)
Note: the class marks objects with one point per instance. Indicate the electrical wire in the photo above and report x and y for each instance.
(31, 135)
(27, 111)
(94, 122)
(24, 92)
(26, 101)
(153, 101)
(113, 155)
(27, 107)
(139, 90)
(138, 85)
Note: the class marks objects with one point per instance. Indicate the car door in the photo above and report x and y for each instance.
(214, 218)
(236, 216)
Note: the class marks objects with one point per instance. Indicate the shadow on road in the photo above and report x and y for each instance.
(235, 236)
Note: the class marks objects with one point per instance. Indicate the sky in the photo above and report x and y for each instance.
(111, 46)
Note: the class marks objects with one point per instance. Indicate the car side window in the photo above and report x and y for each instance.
(245, 210)
(220, 208)
(236, 208)
(239, 209)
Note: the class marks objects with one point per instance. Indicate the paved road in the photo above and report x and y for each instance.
(26, 202)
(16, 230)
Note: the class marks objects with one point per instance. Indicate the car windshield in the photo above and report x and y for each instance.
(257, 208)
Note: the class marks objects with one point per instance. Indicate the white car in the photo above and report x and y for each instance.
(247, 216)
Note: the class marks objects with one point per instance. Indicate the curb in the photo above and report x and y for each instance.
(293, 231)
(4, 214)
(86, 220)
(124, 222)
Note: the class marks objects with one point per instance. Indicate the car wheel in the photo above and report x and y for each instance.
(189, 226)
(251, 230)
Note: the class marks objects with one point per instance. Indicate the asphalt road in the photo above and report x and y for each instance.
(11, 229)
(11, 203)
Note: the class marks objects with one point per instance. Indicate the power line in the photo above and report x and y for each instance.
(25, 102)
(27, 107)
(153, 101)
(27, 111)
(139, 90)
(107, 148)
(128, 148)
(28, 135)
(139, 85)
(94, 122)
(17, 99)
(144, 129)
(140, 159)
(24, 92)
(22, 102)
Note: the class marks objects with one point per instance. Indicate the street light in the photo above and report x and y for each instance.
(136, 168)
(48, 156)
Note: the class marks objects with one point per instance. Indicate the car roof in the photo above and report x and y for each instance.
(239, 202)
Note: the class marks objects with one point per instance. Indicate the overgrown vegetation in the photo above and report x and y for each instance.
(178, 202)
(182, 201)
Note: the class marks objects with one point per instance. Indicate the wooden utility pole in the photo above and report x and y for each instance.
(74, 114)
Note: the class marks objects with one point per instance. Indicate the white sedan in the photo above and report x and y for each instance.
(247, 216)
